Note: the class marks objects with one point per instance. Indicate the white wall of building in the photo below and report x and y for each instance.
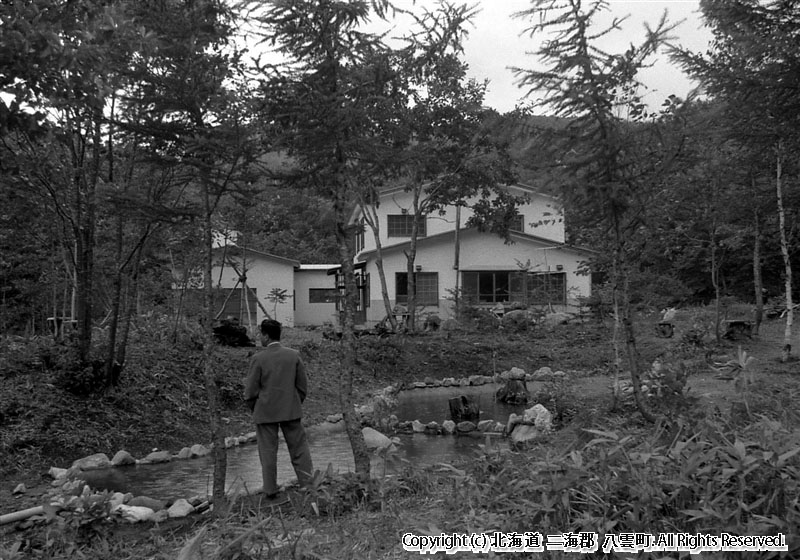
(311, 277)
(264, 275)
(479, 252)
(543, 217)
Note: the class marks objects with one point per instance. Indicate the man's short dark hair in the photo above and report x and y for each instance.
(271, 328)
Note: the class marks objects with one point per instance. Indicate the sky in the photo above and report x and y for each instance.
(497, 42)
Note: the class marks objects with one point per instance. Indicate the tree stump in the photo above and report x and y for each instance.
(513, 391)
(665, 329)
(464, 408)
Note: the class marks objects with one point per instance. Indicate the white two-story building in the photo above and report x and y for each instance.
(535, 268)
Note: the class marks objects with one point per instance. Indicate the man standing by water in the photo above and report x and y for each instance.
(275, 389)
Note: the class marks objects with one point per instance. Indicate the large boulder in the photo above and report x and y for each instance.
(517, 320)
(373, 439)
(181, 508)
(122, 457)
(57, 473)
(465, 427)
(540, 417)
(198, 450)
(158, 457)
(96, 461)
(133, 514)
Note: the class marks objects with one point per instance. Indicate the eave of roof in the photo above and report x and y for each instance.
(524, 237)
(235, 249)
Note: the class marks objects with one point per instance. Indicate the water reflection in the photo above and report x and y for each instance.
(430, 405)
(194, 477)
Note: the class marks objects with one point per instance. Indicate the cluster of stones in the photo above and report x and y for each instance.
(448, 427)
(71, 488)
(541, 374)
(75, 492)
(376, 413)
(488, 427)
(521, 429)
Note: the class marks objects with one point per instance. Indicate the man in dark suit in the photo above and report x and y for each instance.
(275, 389)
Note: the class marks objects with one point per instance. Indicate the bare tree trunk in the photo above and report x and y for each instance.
(715, 284)
(131, 296)
(757, 281)
(622, 286)
(457, 260)
(715, 264)
(373, 221)
(85, 184)
(411, 257)
(116, 297)
(344, 238)
(209, 375)
(615, 336)
(787, 263)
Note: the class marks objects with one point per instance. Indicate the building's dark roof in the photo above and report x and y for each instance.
(524, 237)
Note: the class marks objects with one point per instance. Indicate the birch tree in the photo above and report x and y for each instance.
(754, 67)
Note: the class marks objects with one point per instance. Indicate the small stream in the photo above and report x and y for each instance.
(185, 478)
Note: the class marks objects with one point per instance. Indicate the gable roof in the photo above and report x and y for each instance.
(516, 236)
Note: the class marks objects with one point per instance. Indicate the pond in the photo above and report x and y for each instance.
(186, 478)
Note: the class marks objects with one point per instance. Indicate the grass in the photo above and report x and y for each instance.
(708, 466)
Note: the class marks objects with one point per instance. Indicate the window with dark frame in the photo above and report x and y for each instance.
(517, 223)
(426, 285)
(360, 240)
(401, 225)
(501, 286)
(547, 288)
(322, 295)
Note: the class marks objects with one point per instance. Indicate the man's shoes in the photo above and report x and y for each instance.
(276, 499)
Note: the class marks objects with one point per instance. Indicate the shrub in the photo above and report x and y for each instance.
(713, 479)
(560, 398)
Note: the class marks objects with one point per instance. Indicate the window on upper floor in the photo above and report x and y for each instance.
(400, 225)
(360, 241)
(517, 223)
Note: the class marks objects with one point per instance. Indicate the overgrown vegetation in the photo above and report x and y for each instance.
(708, 466)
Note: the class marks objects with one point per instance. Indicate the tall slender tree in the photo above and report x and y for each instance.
(328, 108)
(595, 90)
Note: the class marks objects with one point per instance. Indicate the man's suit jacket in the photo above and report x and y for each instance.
(277, 382)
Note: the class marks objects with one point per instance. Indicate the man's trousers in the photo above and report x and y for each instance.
(296, 441)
